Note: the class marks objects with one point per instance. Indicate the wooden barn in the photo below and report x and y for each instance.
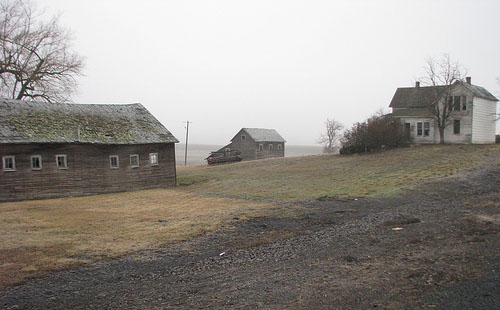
(56, 150)
(256, 143)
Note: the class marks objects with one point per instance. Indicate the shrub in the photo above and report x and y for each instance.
(377, 132)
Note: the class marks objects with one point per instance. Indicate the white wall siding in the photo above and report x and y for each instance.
(433, 136)
(483, 121)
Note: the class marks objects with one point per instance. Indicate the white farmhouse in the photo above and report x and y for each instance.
(472, 116)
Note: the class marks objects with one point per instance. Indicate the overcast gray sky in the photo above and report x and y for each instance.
(286, 65)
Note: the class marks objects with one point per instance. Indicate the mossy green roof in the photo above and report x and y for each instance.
(39, 122)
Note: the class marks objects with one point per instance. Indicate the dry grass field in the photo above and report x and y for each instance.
(310, 177)
(43, 235)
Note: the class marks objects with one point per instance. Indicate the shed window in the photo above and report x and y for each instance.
(61, 162)
(243, 137)
(279, 147)
(153, 159)
(134, 161)
(261, 147)
(270, 147)
(456, 127)
(36, 162)
(9, 163)
(114, 161)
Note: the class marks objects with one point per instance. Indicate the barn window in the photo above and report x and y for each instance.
(270, 147)
(134, 161)
(114, 161)
(279, 147)
(9, 163)
(456, 127)
(243, 137)
(61, 162)
(153, 159)
(261, 147)
(36, 162)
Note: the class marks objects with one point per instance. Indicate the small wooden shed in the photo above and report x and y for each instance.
(257, 143)
(58, 149)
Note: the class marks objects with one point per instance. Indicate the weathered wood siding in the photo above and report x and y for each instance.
(88, 170)
(483, 121)
(246, 146)
(267, 153)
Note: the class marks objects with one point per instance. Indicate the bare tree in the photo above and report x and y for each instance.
(331, 137)
(36, 60)
(442, 74)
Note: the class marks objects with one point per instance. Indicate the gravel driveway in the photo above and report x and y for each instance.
(434, 247)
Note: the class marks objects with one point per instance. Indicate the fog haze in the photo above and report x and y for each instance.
(286, 65)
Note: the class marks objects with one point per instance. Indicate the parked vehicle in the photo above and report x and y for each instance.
(223, 157)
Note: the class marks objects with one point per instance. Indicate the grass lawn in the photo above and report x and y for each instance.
(291, 179)
(42, 235)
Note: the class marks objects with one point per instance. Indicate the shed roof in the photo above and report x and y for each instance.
(263, 135)
(40, 122)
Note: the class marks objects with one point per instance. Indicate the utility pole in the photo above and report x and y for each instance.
(186, 150)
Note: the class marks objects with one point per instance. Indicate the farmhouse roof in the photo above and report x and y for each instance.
(479, 91)
(263, 135)
(40, 122)
(406, 97)
(413, 112)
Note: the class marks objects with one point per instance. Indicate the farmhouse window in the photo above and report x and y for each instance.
(153, 159)
(419, 128)
(270, 147)
(36, 162)
(134, 161)
(261, 147)
(450, 103)
(9, 163)
(456, 103)
(61, 162)
(427, 128)
(243, 137)
(423, 129)
(114, 161)
(464, 103)
(456, 126)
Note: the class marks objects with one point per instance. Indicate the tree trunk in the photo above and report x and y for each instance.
(441, 135)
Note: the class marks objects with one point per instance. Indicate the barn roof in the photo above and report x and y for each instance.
(406, 97)
(40, 122)
(263, 135)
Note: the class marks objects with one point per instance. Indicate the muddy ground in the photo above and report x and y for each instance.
(335, 254)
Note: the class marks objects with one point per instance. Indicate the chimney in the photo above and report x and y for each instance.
(417, 84)
(468, 80)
